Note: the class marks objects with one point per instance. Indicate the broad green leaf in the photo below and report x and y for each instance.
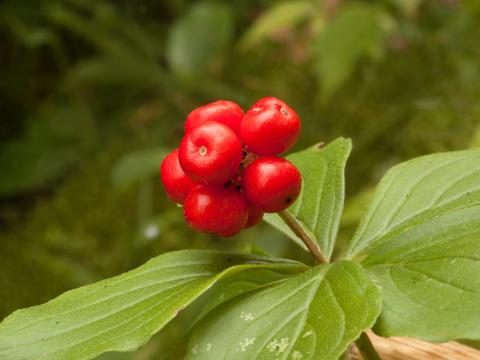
(241, 283)
(420, 242)
(356, 32)
(197, 40)
(314, 315)
(136, 167)
(256, 250)
(319, 206)
(279, 16)
(121, 313)
(419, 189)
(226, 289)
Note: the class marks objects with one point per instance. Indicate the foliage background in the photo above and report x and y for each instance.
(93, 93)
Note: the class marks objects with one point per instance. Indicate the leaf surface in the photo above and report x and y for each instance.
(283, 15)
(319, 207)
(313, 315)
(420, 241)
(196, 42)
(123, 312)
(355, 33)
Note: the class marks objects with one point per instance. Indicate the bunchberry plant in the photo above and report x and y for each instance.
(411, 268)
(218, 172)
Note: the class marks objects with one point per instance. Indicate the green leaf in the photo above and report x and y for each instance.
(355, 32)
(280, 16)
(241, 283)
(319, 206)
(197, 41)
(420, 241)
(471, 343)
(314, 315)
(121, 313)
(54, 141)
(226, 289)
(118, 71)
(136, 167)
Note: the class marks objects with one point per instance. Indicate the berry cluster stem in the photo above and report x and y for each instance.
(293, 224)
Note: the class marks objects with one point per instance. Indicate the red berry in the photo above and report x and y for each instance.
(254, 217)
(210, 153)
(222, 111)
(271, 184)
(215, 209)
(270, 127)
(268, 102)
(177, 185)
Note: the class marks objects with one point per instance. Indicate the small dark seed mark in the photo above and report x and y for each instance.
(239, 188)
(284, 111)
(288, 200)
(228, 184)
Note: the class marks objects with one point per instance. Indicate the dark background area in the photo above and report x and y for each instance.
(93, 93)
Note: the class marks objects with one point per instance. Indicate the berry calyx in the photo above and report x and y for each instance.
(254, 217)
(270, 127)
(221, 111)
(217, 210)
(210, 153)
(271, 184)
(177, 185)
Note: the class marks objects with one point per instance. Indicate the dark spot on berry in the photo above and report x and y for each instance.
(288, 200)
(239, 188)
(284, 111)
(227, 184)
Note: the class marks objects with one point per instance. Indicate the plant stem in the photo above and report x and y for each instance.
(293, 224)
(366, 348)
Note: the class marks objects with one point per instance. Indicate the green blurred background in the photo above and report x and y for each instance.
(93, 93)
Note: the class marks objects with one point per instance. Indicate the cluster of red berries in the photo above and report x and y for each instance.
(226, 172)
